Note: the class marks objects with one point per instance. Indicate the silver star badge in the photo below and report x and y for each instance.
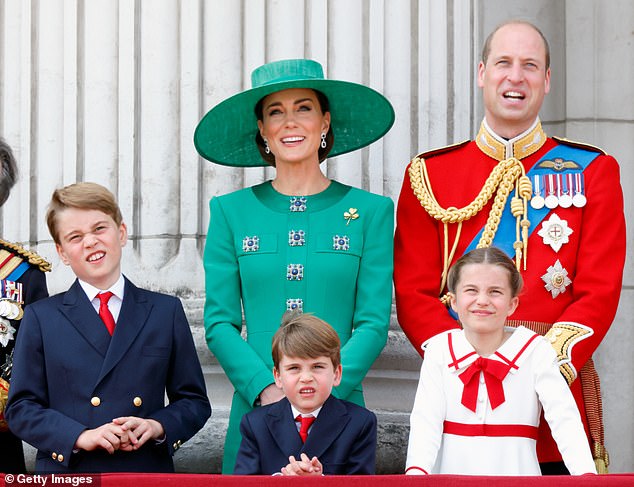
(7, 332)
(556, 279)
(555, 232)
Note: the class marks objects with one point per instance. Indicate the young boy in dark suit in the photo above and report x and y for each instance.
(309, 432)
(92, 365)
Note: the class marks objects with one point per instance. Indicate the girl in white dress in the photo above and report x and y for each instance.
(482, 388)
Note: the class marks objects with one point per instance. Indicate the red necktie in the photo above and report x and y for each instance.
(494, 372)
(104, 312)
(306, 422)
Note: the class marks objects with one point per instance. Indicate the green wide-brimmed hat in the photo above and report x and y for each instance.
(359, 115)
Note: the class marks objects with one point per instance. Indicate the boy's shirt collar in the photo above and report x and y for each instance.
(296, 413)
(91, 291)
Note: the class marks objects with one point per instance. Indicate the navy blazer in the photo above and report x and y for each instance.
(69, 375)
(343, 438)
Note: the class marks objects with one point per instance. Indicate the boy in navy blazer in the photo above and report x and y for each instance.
(335, 437)
(92, 365)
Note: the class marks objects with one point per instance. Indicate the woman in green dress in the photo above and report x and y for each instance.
(300, 241)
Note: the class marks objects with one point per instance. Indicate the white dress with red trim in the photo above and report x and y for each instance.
(479, 416)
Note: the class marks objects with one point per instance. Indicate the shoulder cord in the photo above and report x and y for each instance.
(506, 175)
(32, 257)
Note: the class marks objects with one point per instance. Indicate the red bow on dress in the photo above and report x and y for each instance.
(494, 372)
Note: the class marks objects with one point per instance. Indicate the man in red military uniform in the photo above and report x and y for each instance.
(556, 207)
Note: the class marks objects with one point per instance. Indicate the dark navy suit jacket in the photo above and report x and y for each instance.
(70, 375)
(343, 438)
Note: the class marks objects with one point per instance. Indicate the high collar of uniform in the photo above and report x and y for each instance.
(519, 147)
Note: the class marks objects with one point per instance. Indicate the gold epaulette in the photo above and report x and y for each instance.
(29, 255)
(563, 336)
(580, 145)
(440, 150)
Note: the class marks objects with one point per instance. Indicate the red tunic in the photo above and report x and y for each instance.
(593, 257)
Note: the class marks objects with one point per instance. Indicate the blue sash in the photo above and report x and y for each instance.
(18, 271)
(505, 235)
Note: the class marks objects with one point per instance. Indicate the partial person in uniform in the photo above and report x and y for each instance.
(300, 241)
(22, 282)
(553, 205)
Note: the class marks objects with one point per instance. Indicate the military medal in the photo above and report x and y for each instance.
(12, 290)
(9, 309)
(579, 199)
(7, 332)
(551, 201)
(537, 201)
(556, 279)
(5, 370)
(555, 232)
(11, 300)
(565, 184)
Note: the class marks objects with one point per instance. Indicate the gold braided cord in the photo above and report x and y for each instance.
(505, 176)
(32, 257)
(419, 179)
(449, 257)
(523, 193)
(505, 186)
(591, 388)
